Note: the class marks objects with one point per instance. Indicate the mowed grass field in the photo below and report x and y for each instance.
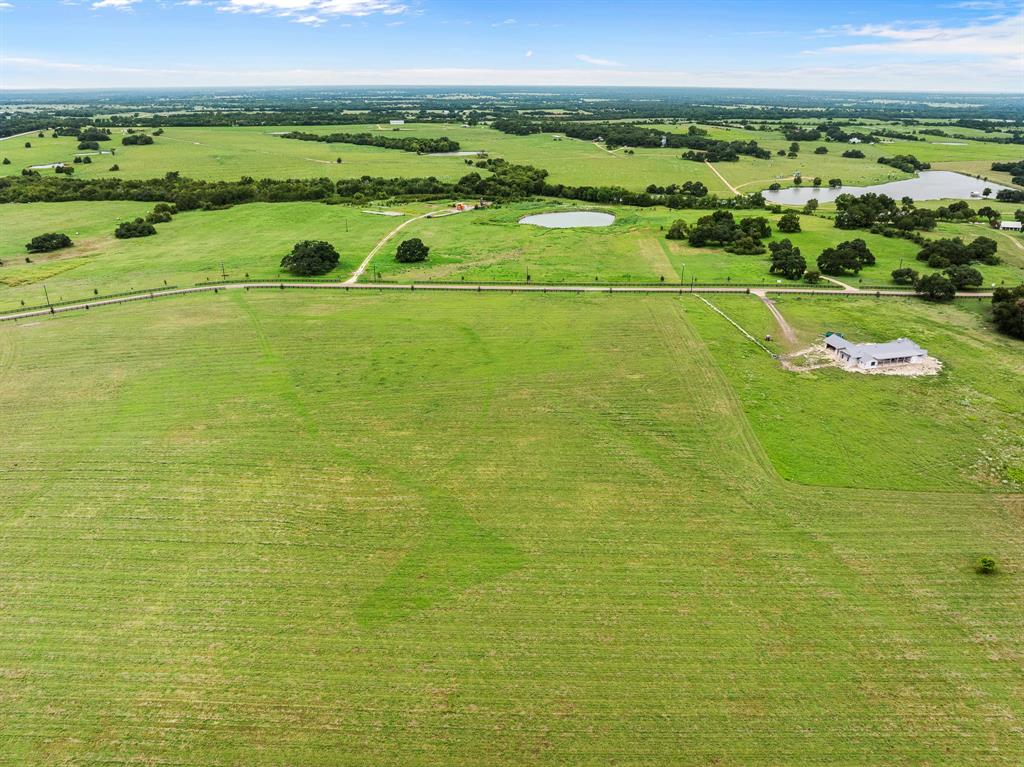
(294, 528)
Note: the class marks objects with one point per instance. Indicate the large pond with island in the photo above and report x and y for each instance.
(569, 219)
(927, 185)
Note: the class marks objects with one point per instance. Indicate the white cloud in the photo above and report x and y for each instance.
(597, 62)
(529, 54)
(1001, 37)
(505, 23)
(312, 12)
(5, 6)
(120, 5)
(979, 5)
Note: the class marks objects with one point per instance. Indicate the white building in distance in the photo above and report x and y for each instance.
(902, 351)
(1013, 226)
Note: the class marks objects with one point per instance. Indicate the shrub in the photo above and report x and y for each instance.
(835, 183)
(44, 243)
(126, 230)
(964, 277)
(1008, 310)
(411, 251)
(745, 246)
(789, 223)
(678, 230)
(115, 166)
(935, 287)
(821, 150)
(7, 161)
(812, 277)
(986, 566)
(854, 154)
(137, 139)
(158, 217)
(904, 276)
(88, 145)
(311, 257)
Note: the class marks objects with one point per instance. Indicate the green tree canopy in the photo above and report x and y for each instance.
(411, 251)
(311, 257)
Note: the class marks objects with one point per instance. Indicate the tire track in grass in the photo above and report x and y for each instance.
(290, 388)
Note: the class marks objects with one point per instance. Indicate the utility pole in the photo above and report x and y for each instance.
(682, 271)
(223, 274)
(47, 295)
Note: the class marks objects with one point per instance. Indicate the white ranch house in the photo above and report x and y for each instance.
(1013, 226)
(902, 351)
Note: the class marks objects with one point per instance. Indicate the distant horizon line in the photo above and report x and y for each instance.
(537, 86)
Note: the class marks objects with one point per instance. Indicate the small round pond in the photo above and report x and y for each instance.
(569, 219)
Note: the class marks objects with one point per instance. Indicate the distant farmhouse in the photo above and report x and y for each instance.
(902, 351)
(397, 122)
(854, 140)
(1014, 226)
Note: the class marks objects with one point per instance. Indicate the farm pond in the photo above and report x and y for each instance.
(927, 185)
(569, 219)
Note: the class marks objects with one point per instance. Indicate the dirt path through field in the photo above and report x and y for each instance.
(784, 327)
(724, 180)
(376, 248)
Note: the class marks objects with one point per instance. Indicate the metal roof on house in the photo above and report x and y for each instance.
(901, 347)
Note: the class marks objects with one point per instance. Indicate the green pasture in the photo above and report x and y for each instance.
(490, 245)
(295, 527)
(487, 245)
(963, 427)
(243, 240)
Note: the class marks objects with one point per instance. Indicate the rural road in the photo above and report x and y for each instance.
(457, 287)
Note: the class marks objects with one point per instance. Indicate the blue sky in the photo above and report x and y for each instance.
(972, 45)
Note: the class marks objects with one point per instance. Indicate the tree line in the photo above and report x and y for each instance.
(408, 144)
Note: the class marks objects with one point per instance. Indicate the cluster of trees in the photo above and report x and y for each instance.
(1010, 195)
(845, 258)
(1008, 310)
(799, 133)
(628, 134)
(940, 254)
(836, 133)
(721, 228)
(138, 228)
(959, 277)
(959, 211)
(310, 258)
(870, 209)
(688, 188)
(409, 144)
(1014, 168)
(137, 139)
(905, 162)
(411, 251)
(44, 243)
(91, 134)
(88, 145)
(853, 154)
(786, 260)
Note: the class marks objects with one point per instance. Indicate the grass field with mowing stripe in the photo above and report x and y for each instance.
(293, 528)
